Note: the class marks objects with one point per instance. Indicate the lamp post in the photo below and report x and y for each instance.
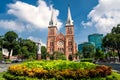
(39, 50)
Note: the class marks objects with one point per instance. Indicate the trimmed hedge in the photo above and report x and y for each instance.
(86, 60)
(58, 70)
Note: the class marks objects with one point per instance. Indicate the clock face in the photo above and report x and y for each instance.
(60, 43)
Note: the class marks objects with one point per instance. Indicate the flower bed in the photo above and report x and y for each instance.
(58, 69)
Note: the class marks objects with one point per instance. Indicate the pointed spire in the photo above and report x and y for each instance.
(69, 18)
(52, 20)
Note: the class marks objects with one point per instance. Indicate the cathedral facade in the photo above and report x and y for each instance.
(64, 43)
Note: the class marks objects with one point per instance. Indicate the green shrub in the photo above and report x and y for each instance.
(113, 76)
(59, 64)
(7, 61)
(86, 60)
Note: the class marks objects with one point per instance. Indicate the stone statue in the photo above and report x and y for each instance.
(39, 50)
(39, 47)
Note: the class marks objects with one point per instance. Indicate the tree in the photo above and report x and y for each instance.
(1, 41)
(0, 55)
(61, 56)
(99, 54)
(88, 50)
(19, 46)
(78, 55)
(112, 40)
(58, 56)
(26, 48)
(55, 55)
(43, 52)
(10, 39)
(116, 30)
(25, 52)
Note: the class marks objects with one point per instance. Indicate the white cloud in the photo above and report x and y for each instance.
(12, 25)
(104, 16)
(37, 16)
(35, 39)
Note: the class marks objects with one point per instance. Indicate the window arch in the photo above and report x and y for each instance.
(51, 31)
(51, 43)
(69, 31)
(69, 42)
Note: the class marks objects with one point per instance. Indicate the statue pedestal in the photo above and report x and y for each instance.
(38, 56)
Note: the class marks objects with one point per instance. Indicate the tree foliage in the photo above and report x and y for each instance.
(88, 50)
(43, 52)
(99, 54)
(1, 41)
(25, 48)
(10, 39)
(10, 36)
(57, 56)
(0, 55)
(112, 40)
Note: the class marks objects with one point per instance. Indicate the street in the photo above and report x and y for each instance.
(115, 66)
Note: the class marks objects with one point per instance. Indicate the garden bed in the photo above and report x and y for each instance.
(57, 69)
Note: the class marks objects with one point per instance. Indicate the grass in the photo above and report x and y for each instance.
(113, 76)
(1, 76)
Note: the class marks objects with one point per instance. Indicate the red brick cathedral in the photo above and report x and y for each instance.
(60, 42)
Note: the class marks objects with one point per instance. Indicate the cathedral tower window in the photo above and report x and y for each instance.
(69, 42)
(51, 49)
(51, 43)
(51, 31)
(70, 49)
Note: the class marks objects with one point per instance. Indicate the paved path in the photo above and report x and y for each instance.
(115, 66)
(4, 67)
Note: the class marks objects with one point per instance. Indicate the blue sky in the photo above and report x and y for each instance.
(30, 18)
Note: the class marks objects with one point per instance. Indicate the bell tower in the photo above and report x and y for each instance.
(70, 44)
(52, 32)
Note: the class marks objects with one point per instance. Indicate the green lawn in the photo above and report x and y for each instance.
(1, 74)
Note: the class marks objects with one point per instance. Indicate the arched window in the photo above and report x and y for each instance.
(69, 30)
(51, 31)
(69, 42)
(51, 49)
(70, 49)
(51, 43)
